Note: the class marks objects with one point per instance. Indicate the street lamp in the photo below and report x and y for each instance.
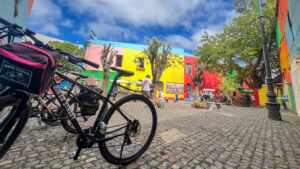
(272, 105)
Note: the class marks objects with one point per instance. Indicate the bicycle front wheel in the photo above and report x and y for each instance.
(12, 121)
(141, 112)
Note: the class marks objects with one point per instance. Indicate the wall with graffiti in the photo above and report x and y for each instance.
(288, 43)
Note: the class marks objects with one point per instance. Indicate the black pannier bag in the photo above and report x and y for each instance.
(27, 67)
(89, 102)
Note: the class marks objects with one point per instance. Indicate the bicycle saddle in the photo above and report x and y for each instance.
(79, 75)
(122, 72)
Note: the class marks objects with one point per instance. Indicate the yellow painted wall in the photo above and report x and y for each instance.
(172, 74)
(262, 92)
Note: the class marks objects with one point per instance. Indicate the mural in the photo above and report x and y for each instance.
(15, 11)
(173, 88)
(173, 79)
(288, 40)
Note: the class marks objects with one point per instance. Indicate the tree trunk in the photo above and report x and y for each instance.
(196, 92)
(105, 82)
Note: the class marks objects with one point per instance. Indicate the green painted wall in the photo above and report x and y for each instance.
(293, 103)
(99, 75)
(278, 35)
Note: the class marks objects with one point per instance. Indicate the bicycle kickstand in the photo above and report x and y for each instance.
(65, 138)
(75, 154)
(125, 141)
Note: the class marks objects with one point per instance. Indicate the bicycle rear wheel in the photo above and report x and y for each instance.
(12, 121)
(85, 121)
(51, 118)
(142, 113)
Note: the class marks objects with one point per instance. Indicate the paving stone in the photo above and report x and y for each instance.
(3, 163)
(233, 137)
(131, 166)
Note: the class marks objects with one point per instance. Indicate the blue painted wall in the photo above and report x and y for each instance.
(176, 51)
(7, 10)
(294, 13)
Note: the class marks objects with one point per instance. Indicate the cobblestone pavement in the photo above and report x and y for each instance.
(232, 137)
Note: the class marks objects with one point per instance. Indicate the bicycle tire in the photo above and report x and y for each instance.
(132, 99)
(47, 119)
(84, 123)
(14, 127)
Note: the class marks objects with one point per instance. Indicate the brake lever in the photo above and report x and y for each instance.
(81, 67)
(73, 60)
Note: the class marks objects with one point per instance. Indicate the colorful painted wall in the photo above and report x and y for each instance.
(262, 92)
(210, 80)
(288, 41)
(173, 78)
(16, 14)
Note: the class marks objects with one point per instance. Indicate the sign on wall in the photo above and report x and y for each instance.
(172, 88)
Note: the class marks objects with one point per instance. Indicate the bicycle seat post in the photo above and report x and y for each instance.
(112, 86)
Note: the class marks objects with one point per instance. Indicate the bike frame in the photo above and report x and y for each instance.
(95, 128)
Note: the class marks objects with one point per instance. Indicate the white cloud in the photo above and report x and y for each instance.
(179, 41)
(108, 17)
(46, 16)
(105, 31)
(137, 14)
(67, 23)
(195, 40)
(50, 28)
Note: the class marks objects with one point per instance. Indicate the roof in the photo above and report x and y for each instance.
(176, 51)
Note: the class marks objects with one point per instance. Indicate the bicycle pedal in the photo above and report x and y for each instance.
(72, 154)
(129, 141)
(102, 126)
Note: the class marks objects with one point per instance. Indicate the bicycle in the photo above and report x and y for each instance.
(107, 127)
(47, 109)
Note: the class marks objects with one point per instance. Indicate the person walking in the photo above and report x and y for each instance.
(146, 85)
(115, 93)
(162, 99)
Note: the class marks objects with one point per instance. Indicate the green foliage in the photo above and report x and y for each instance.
(239, 46)
(159, 55)
(229, 85)
(70, 48)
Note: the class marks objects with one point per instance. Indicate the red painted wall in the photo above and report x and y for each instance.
(210, 80)
(187, 78)
(282, 12)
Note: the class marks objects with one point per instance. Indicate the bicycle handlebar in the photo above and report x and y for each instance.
(19, 32)
(5, 22)
(76, 60)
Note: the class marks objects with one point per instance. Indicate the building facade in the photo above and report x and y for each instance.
(175, 78)
(288, 43)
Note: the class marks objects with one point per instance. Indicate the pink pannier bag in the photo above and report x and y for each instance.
(27, 67)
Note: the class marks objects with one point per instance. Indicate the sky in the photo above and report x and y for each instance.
(180, 22)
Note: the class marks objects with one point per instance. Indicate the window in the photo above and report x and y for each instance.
(119, 60)
(140, 63)
(188, 68)
(188, 88)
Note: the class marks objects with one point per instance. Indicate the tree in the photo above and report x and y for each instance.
(197, 79)
(160, 60)
(107, 55)
(70, 48)
(239, 47)
(229, 84)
